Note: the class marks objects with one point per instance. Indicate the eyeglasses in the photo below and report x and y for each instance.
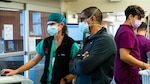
(84, 19)
(51, 23)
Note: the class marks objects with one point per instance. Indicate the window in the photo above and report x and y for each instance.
(11, 38)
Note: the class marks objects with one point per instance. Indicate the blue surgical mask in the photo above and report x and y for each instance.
(52, 29)
(84, 27)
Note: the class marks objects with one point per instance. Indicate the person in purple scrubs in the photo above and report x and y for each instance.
(144, 43)
(127, 61)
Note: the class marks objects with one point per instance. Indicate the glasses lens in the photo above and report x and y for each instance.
(51, 24)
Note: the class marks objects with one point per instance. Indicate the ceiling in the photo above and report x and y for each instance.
(69, 0)
(38, 0)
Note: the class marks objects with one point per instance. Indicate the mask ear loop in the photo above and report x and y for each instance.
(93, 13)
(92, 16)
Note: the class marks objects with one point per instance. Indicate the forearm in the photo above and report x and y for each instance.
(133, 61)
(26, 66)
(126, 57)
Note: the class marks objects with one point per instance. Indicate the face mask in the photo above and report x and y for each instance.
(52, 29)
(136, 24)
(84, 27)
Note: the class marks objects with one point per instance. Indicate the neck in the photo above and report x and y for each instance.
(58, 37)
(127, 22)
(143, 33)
(94, 29)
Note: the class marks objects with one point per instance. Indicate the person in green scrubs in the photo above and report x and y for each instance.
(62, 47)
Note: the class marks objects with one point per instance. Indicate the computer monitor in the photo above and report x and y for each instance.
(74, 32)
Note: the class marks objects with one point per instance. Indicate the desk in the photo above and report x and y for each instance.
(19, 79)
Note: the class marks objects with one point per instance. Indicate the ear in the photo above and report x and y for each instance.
(146, 29)
(130, 16)
(93, 18)
(62, 24)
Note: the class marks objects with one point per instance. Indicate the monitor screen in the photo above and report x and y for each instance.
(74, 32)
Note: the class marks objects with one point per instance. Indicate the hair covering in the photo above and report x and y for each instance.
(143, 25)
(57, 17)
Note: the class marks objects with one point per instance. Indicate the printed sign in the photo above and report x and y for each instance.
(8, 32)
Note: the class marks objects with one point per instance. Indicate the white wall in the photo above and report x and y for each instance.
(11, 5)
(49, 3)
(64, 6)
(78, 5)
(40, 5)
(105, 5)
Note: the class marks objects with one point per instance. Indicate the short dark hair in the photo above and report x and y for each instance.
(90, 10)
(134, 10)
(143, 26)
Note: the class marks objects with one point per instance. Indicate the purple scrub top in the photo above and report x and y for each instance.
(125, 73)
(144, 46)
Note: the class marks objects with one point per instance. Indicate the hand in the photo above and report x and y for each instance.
(9, 72)
(62, 81)
(86, 54)
(146, 65)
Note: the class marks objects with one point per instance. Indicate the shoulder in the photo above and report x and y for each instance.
(69, 39)
(126, 33)
(147, 41)
(104, 35)
(48, 38)
(47, 42)
(147, 45)
(125, 29)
